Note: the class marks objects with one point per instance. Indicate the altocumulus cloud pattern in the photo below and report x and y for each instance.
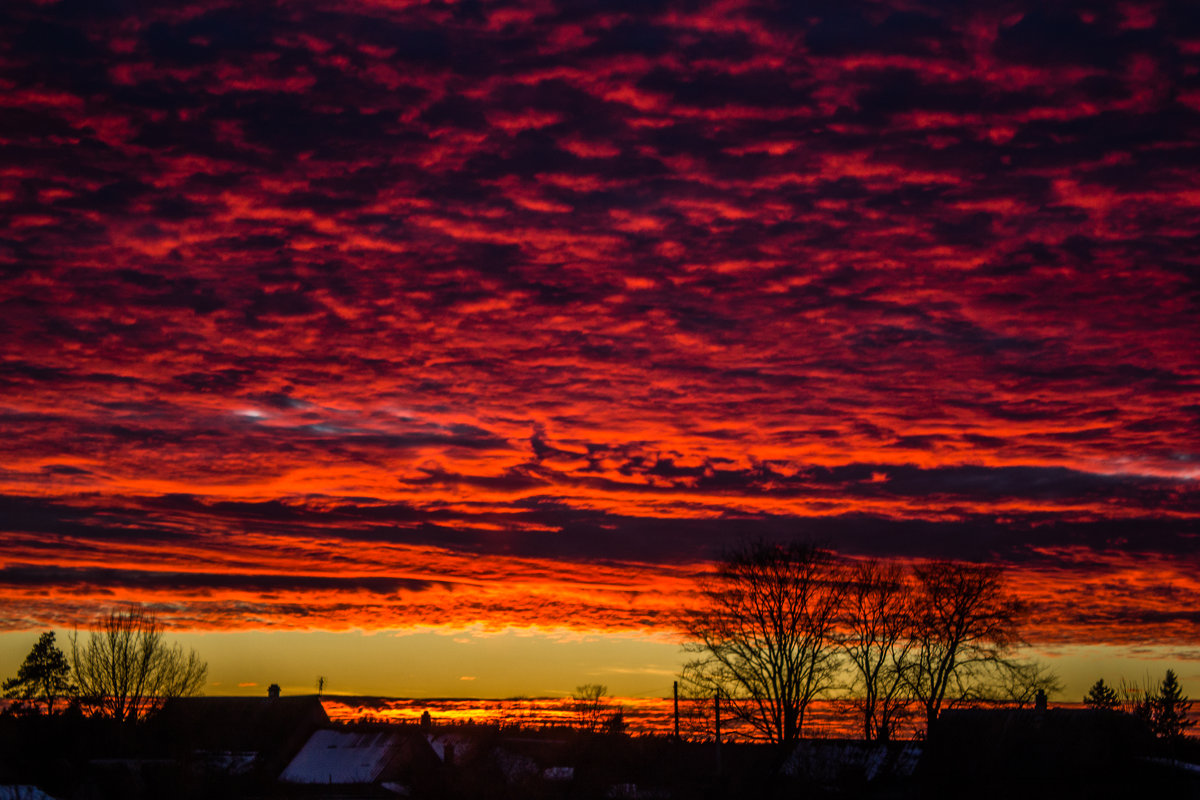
(305, 307)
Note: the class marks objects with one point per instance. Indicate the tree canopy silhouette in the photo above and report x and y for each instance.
(590, 706)
(965, 624)
(764, 635)
(877, 638)
(1169, 709)
(777, 622)
(1102, 697)
(1018, 682)
(45, 675)
(125, 670)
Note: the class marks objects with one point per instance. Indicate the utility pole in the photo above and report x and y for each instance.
(676, 711)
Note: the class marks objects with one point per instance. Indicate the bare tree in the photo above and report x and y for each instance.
(965, 621)
(764, 635)
(1018, 683)
(1137, 700)
(125, 670)
(590, 705)
(876, 638)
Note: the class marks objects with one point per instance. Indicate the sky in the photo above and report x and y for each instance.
(439, 347)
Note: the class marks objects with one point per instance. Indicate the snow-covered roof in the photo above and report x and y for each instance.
(235, 763)
(558, 773)
(22, 792)
(342, 757)
(462, 745)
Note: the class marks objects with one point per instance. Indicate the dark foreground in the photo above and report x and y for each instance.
(288, 748)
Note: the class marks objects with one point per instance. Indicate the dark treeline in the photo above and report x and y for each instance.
(780, 625)
(123, 670)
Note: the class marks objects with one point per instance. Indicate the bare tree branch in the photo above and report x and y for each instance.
(964, 623)
(764, 635)
(591, 706)
(876, 628)
(124, 670)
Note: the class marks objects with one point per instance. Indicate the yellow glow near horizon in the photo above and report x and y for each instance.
(529, 663)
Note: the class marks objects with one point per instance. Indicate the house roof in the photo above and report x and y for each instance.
(463, 746)
(242, 723)
(21, 792)
(267, 730)
(341, 757)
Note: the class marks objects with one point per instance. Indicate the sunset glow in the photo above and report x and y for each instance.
(378, 320)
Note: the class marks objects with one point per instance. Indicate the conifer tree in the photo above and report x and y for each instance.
(1169, 710)
(44, 676)
(1102, 697)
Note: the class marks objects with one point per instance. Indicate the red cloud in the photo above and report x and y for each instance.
(550, 304)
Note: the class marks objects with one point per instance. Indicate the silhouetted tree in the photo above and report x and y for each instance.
(44, 676)
(1168, 710)
(965, 622)
(125, 670)
(765, 635)
(590, 706)
(1019, 682)
(877, 627)
(1138, 701)
(1102, 697)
